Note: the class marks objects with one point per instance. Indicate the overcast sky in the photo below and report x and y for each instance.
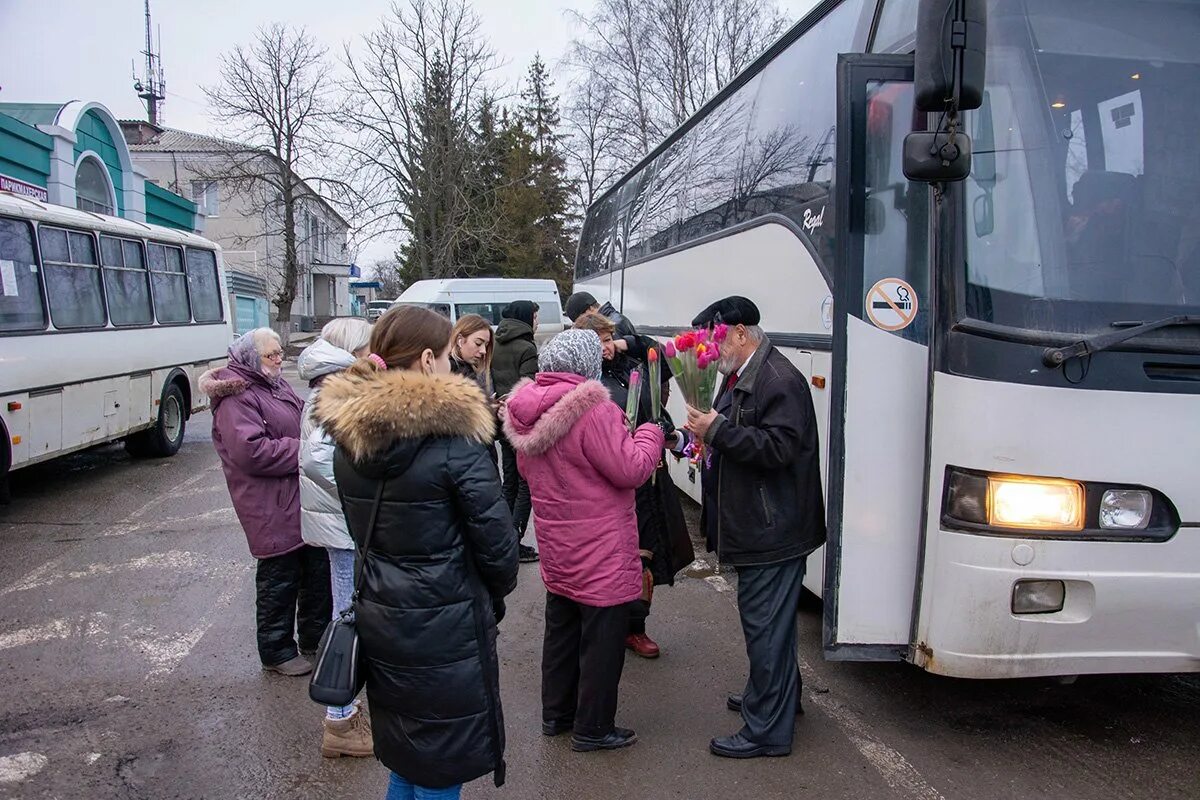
(59, 50)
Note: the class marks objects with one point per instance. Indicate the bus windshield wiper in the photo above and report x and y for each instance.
(1057, 356)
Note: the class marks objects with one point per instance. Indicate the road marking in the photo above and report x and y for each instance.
(21, 767)
(90, 625)
(894, 768)
(126, 524)
(167, 652)
(172, 559)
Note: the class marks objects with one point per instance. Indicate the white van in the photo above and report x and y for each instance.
(487, 297)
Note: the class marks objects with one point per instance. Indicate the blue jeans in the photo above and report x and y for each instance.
(341, 579)
(400, 789)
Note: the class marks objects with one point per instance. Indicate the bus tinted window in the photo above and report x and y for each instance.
(596, 241)
(72, 275)
(126, 281)
(203, 286)
(768, 148)
(790, 145)
(169, 283)
(20, 293)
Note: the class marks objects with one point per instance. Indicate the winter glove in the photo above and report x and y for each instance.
(498, 608)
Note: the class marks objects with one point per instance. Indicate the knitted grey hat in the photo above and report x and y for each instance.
(574, 350)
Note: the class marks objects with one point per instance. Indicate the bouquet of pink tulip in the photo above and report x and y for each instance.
(693, 356)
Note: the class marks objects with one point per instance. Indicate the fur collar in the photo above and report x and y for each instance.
(222, 382)
(551, 424)
(365, 414)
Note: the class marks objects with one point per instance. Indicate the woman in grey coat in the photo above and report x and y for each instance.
(322, 524)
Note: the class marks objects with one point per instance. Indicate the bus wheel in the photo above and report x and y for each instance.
(5, 491)
(165, 438)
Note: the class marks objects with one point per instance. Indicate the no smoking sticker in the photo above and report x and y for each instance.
(891, 304)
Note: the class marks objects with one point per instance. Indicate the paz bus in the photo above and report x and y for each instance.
(106, 325)
(1003, 354)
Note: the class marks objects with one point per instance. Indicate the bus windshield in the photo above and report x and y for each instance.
(1083, 207)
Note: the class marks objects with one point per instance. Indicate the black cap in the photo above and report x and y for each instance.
(730, 310)
(578, 304)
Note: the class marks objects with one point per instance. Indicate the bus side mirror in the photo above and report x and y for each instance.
(931, 157)
(950, 60)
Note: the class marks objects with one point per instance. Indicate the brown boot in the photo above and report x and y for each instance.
(348, 737)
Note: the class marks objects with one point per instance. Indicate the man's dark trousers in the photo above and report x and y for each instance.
(768, 599)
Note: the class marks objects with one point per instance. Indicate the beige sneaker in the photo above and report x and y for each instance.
(348, 737)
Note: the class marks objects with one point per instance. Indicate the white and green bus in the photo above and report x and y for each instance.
(1006, 367)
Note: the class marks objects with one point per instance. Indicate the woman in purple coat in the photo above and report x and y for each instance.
(256, 432)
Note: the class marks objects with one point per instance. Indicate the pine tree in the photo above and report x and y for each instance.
(536, 196)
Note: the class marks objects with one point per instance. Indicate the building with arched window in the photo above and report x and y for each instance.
(74, 154)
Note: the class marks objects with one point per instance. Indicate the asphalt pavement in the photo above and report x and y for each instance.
(128, 670)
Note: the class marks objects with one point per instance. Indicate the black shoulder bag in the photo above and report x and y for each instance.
(337, 677)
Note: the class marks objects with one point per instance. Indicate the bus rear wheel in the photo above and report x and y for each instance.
(166, 437)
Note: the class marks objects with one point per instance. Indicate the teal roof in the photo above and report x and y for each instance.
(33, 113)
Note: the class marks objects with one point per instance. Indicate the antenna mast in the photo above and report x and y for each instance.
(152, 87)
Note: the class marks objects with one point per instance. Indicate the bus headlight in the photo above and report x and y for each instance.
(1126, 509)
(1048, 504)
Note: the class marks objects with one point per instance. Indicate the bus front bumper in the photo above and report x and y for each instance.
(1127, 607)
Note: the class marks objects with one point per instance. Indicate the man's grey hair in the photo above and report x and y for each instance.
(755, 332)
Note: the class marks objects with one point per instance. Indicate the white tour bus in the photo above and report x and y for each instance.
(105, 326)
(1008, 493)
(487, 297)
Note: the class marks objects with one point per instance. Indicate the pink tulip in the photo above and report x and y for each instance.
(702, 335)
(670, 349)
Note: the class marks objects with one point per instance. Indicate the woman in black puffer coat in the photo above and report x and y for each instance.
(413, 437)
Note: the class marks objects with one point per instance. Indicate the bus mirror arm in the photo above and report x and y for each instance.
(1054, 357)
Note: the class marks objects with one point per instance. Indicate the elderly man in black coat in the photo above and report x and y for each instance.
(763, 514)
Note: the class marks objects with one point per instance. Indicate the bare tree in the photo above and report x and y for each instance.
(414, 93)
(273, 99)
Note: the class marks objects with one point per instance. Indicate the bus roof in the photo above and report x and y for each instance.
(28, 208)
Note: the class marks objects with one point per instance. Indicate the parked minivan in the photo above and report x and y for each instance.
(487, 297)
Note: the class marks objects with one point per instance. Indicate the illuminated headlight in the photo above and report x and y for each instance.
(1038, 597)
(1039, 503)
(1126, 509)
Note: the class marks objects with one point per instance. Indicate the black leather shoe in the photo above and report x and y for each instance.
(526, 554)
(557, 727)
(734, 703)
(620, 737)
(738, 746)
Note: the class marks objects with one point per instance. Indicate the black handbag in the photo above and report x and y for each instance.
(337, 677)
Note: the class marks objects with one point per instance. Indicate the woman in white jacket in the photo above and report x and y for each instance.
(347, 732)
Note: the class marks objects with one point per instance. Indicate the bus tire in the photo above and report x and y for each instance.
(5, 467)
(166, 437)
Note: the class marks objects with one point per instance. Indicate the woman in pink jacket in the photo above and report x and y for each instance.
(582, 465)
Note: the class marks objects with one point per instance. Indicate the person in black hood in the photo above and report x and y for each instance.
(423, 505)
(514, 358)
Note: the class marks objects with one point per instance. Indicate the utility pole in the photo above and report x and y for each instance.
(152, 87)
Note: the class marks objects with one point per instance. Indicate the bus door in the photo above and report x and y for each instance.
(881, 332)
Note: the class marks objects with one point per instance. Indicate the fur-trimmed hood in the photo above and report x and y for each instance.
(223, 382)
(542, 411)
(366, 414)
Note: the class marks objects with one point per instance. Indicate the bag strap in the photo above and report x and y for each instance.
(358, 567)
